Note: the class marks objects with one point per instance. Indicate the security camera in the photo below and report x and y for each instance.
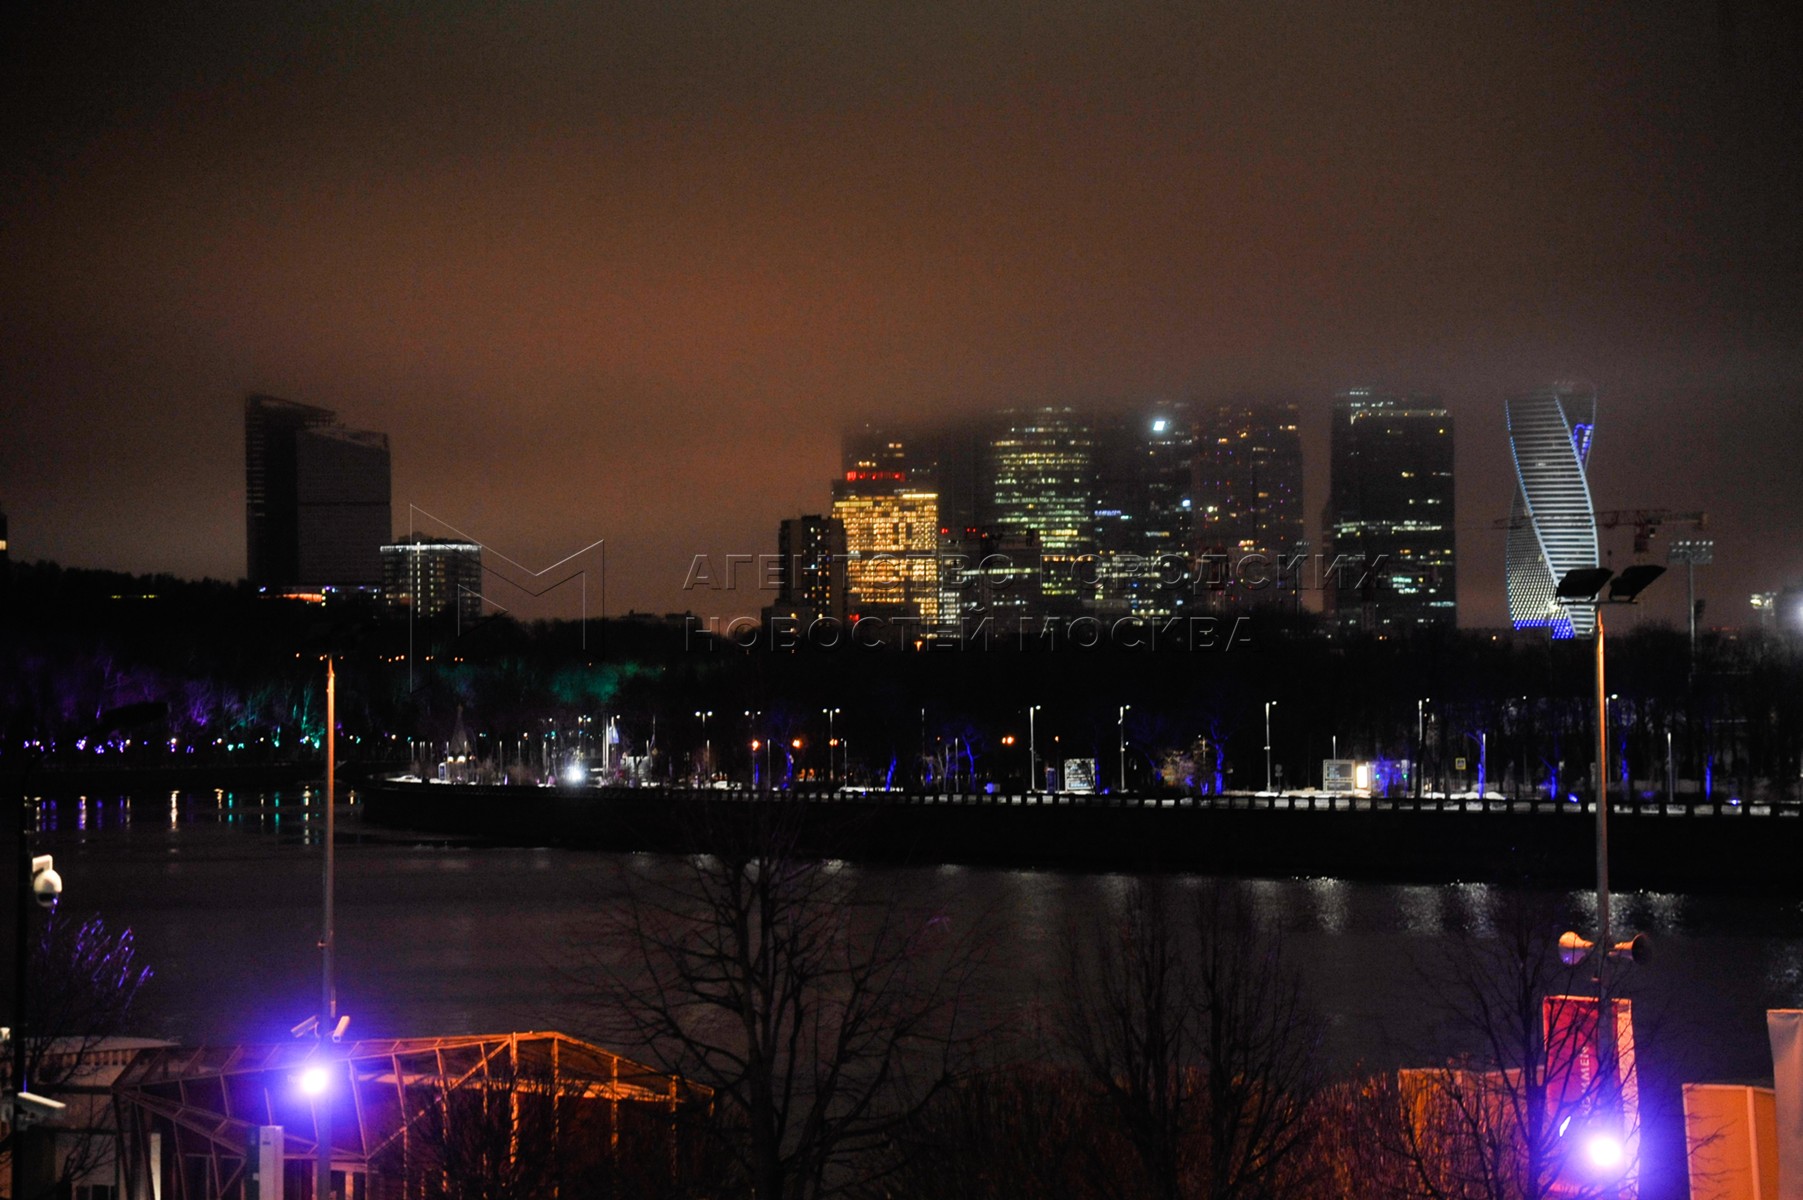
(29, 1109)
(46, 884)
(344, 1023)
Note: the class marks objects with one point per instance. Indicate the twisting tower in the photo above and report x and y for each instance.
(1552, 524)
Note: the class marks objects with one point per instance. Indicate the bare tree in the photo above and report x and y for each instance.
(1510, 1112)
(84, 980)
(822, 1020)
(1198, 1038)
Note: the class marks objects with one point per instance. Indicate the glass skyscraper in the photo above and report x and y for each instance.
(1389, 519)
(316, 497)
(1041, 472)
(1552, 524)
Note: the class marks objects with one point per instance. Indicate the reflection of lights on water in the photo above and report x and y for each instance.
(1330, 902)
(1420, 909)
(1478, 900)
(174, 809)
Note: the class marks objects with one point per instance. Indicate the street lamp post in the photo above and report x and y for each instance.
(1123, 732)
(1269, 705)
(707, 748)
(1582, 588)
(1033, 749)
(1420, 742)
(830, 742)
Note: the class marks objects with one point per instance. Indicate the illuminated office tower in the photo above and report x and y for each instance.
(433, 577)
(1389, 519)
(1041, 479)
(316, 497)
(1552, 524)
(1247, 490)
(891, 545)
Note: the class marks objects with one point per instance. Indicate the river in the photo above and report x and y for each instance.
(222, 890)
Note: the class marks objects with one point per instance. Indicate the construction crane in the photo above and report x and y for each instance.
(1645, 522)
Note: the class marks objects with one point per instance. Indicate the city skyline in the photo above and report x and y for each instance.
(629, 278)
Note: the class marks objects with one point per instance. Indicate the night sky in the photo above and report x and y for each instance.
(624, 270)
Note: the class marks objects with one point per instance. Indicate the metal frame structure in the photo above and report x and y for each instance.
(189, 1117)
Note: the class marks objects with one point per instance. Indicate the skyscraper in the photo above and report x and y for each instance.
(1143, 482)
(1247, 494)
(434, 576)
(813, 553)
(1041, 476)
(891, 544)
(316, 499)
(1389, 518)
(1552, 524)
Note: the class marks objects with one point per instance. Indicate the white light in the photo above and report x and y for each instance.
(1603, 1150)
(1158, 426)
(313, 1081)
(574, 773)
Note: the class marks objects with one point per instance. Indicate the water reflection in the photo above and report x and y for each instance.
(222, 888)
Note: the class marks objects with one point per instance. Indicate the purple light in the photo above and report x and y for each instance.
(313, 1081)
(1604, 1150)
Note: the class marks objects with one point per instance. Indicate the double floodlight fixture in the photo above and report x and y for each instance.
(1585, 584)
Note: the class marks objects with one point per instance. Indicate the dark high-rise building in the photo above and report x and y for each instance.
(1389, 517)
(944, 457)
(988, 575)
(1143, 509)
(317, 504)
(433, 577)
(1246, 496)
(813, 553)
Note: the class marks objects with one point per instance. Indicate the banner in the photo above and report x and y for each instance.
(1785, 1026)
(1596, 1118)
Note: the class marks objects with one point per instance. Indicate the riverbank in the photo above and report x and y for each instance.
(1712, 848)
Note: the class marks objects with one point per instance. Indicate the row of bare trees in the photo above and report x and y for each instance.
(1178, 1058)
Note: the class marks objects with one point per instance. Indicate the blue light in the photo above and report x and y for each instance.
(314, 1080)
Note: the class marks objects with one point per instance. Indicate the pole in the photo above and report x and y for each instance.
(1690, 596)
(1609, 1092)
(1671, 790)
(1420, 743)
(1268, 704)
(1123, 723)
(1032, 750)
(1602, 797)
(328, 991)
(22, 904)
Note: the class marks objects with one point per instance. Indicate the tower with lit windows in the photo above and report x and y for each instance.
(891, 533)
(1041, 476)
(1552, 524)
(1389, 521)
